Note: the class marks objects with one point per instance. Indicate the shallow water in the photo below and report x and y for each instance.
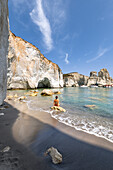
(97, 120)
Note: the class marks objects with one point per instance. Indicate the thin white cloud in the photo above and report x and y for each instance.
(66, 58)
(39, 18)
(56, 10)
(100, 54)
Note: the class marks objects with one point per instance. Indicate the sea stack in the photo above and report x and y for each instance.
(74, 79)
(4, 32)
(28, 68)
(102, 79)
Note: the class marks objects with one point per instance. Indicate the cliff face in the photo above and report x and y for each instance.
(28, 68)
(74, 79)
(4, 31)
(103, 78)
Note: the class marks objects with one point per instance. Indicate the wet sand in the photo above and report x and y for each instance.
(31, 133)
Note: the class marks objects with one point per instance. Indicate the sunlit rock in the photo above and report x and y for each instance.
(93, 74)
(74, 79)
(90, 106)
(47, 92)
(102, 79)
(57, 108)
(28, 68)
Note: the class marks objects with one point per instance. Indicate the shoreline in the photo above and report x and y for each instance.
(63, 127)
(32, 133)
(80, 130)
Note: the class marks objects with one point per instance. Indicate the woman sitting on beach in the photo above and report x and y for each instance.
(56, 101)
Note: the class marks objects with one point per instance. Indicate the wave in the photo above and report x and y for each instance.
(90, 127)
(91, 124)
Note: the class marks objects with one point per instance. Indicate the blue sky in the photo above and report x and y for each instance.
(75, 34)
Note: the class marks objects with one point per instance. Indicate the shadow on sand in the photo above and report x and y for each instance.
(36, 137)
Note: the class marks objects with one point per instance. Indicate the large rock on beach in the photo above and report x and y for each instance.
(55, 155)
(57, 108)
(47, 92)
(28, 68)
(4, 32)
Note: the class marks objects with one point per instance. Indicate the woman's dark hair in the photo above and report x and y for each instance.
(56, 97)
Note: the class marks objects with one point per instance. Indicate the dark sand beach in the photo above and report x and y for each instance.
(30, 136)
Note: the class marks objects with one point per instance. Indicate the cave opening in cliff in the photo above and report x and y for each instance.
(45, 83)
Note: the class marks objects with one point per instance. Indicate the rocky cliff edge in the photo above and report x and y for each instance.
(28, 68)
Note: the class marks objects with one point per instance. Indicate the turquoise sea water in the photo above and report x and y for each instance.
(97, 120)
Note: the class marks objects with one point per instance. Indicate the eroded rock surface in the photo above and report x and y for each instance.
(103, 78)
(28, 68)
(76, 79)
(4, 31)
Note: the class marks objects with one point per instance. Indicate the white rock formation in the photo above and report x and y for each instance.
(4, 31)
(103, 78)
(28, 68)
(74, 79)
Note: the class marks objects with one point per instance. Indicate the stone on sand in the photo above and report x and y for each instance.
(57, 108)
(22, 98)
(47, 92)
(55, 155)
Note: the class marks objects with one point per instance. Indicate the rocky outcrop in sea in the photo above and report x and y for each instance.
(4, 32)
(76, 79)
(103, 78)
(28, 68)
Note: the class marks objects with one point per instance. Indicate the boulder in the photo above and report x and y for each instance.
(55, 155)
(10, 97)
(22, 98)
(32, 93)
(90, 106)
(56, 92)
(47, 92)
(57, 108)
(4, 32)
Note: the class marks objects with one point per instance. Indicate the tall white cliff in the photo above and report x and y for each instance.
(28, 68)
(4, 31)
